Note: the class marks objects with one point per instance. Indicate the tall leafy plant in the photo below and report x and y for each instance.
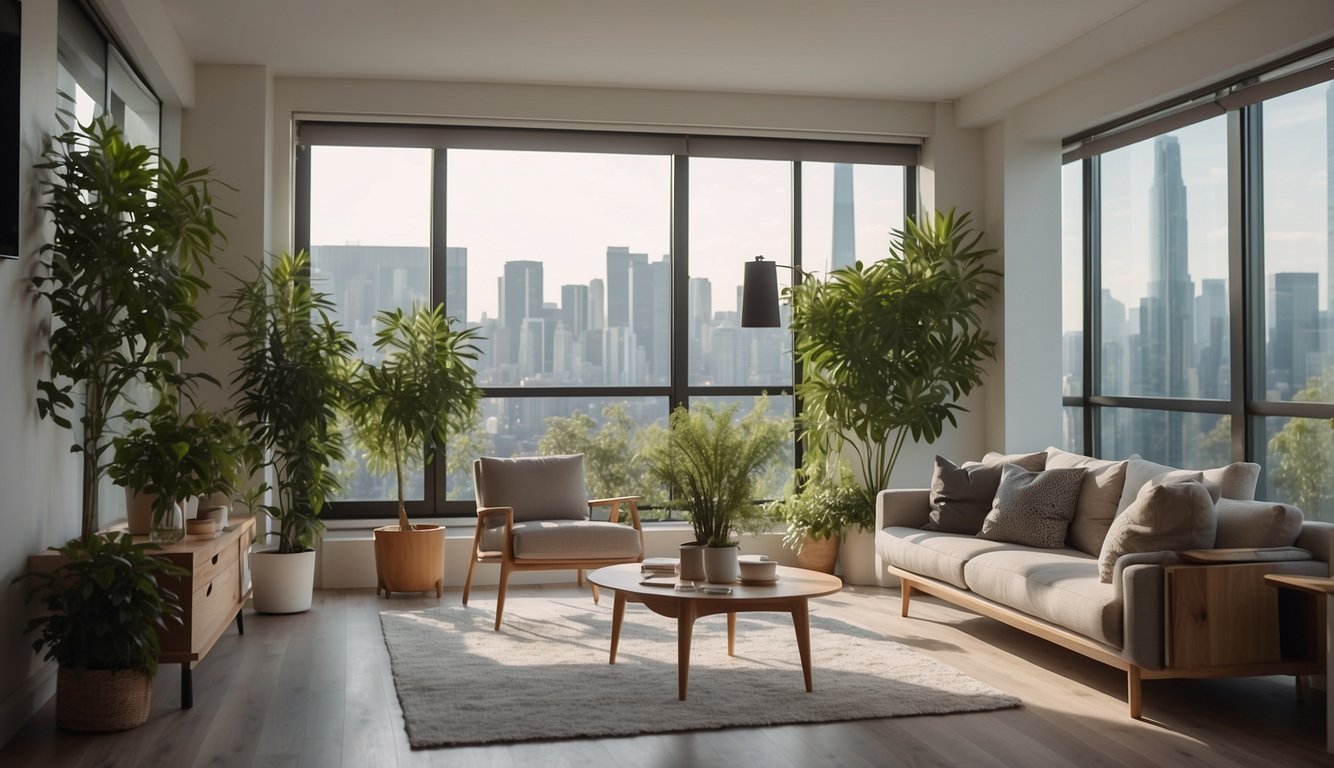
(422, 391)
(121, 275)
(292, 379)
(709, 460)
(889, 348)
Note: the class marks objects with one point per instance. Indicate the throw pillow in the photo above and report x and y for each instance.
(1098, 497)
(1033, 508)
(961, 496)
(1033, 462)
(1257, 524)
(1234, 481)
(1172, 516)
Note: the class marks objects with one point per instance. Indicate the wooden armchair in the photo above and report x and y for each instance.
(533, 514)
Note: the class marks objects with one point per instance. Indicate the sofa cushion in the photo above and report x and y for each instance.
(961, 496)
(1257, 524)
(1234, 481)
(1033, 508)
(1099, 497)
(1171, 516)
(1059, 586)
(1033, 462)
(566, 540)
(929, 553)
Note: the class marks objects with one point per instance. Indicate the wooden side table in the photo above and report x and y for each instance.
(1316, 585)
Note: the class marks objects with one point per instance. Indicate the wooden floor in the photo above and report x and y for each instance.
(314, 689)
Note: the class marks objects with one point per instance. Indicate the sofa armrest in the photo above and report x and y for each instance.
(1315, 538)
(908, 507)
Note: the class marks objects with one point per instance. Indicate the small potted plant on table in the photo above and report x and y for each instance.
(403, 411)
(709, 461)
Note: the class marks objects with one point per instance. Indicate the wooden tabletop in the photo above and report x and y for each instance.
(792, 582)
(1318, 584)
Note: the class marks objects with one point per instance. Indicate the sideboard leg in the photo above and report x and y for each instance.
(187, 687)
(240, 622)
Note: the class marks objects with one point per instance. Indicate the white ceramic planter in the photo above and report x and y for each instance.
(720, 564)
(283, 583)
(856, 558)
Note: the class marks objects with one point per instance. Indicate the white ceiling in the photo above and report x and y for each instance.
(895, 49)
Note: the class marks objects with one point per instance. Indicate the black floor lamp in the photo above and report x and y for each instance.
(759, 293)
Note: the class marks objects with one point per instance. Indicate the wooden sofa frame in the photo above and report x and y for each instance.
(1187, 620)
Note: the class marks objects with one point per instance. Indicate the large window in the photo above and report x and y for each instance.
(602, 271)
(1185, 368)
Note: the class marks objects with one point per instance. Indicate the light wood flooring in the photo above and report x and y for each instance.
(315, 690)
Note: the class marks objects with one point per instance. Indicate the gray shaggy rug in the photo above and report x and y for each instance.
(545, 674)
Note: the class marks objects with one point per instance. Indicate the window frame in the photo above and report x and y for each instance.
(680, 148)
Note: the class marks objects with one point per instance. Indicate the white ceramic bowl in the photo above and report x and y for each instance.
(757, 568)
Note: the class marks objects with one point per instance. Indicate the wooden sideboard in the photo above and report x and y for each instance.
(212, 594)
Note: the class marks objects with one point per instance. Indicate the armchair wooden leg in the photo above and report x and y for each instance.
(500, 596)
(907, 598)
(467, 583)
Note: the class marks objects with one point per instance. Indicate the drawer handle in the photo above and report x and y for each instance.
(215, 558)
(210, 589)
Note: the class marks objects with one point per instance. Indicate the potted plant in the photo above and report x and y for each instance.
(817, 515)
(172, 457)
(887, 349)
(132, 232)
(403, 411)
(292, 378)
(708, 461)
(104, 605)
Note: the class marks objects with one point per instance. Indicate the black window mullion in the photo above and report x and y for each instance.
(1092, 342)
(436, 470)
(679, 363)
(799, 445)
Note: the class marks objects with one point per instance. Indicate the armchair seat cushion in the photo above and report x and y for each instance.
(566, 540)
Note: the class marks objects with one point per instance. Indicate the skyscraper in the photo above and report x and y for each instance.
(650, 314)
(456, 283)
(1295, 336)
(844, 249)
(574, 308)
(1166, 313)
(520, 299)
(619, 261)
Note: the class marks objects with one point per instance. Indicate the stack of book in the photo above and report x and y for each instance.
(658, 566)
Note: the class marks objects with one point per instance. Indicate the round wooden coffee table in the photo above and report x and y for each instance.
(789, 594)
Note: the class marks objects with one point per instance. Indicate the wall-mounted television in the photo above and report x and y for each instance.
(10, 73)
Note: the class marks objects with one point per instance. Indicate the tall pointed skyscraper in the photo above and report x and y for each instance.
(844, 249)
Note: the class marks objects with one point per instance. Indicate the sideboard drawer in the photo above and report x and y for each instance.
(213, 605)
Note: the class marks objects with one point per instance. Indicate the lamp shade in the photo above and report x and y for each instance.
(759, 295)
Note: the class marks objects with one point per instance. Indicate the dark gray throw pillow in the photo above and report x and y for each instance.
(1033, 508)
(961, 496)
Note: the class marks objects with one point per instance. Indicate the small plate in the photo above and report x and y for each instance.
(759, 582)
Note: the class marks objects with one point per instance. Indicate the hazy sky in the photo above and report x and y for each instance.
(565, 209)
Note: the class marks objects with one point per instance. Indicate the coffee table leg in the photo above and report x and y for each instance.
(801, 621)
(731, 634)
(617, 615)
(685, 624)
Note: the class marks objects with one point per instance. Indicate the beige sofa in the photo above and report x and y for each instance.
(1165, 614)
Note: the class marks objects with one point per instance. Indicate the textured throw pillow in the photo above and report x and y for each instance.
(1257, 524)
(1033, 508)
(1172, 516)
(961, 496)
(1099, 497)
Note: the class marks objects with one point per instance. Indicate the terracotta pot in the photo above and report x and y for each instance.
(282, 583)
(720, 564)
(818, 554)
(139, 512)
(410, 561)
(97, 700)
(692, 561)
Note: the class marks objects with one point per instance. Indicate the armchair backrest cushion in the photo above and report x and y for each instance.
(1233, 481)
(535, 487)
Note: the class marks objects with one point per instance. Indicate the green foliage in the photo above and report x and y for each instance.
(292, 379)
(176, 456)
(708, 461)
(104, 604)
(823, 508)
(887, 349)
(1301, 473)
(423, 391)
(122, 273)
(612, 466)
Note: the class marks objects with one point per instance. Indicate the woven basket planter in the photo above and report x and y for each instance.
(819, 554)
(97, 700)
